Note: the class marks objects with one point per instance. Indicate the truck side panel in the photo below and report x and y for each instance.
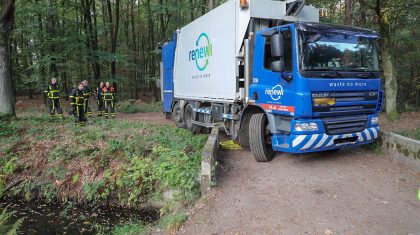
(205, 59)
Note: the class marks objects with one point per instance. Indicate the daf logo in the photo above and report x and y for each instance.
(320, 95)
(275, 93)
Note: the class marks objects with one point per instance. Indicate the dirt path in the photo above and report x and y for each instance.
(156, 118)
(349, 192)
(406, 121)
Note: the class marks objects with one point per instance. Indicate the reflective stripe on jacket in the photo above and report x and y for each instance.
(53, 91)
(77, 97)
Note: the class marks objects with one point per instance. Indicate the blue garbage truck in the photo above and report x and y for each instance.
(274, 78)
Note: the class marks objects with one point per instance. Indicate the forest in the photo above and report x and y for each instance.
(118, 41)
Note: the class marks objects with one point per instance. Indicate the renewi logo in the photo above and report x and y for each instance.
(276, 92)
(202, 52)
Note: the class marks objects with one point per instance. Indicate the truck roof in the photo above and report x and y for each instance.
(323, 28)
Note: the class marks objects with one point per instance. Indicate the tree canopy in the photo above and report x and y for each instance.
(117, 40)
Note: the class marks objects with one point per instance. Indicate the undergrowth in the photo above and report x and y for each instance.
(413, 134)
(125, 163)
(5, 227)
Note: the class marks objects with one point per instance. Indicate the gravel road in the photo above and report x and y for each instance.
(347, 192)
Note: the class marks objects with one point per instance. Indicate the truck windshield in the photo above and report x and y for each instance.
(338, 53)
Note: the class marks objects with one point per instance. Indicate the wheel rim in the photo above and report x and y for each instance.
(188, 117)
(178, 115)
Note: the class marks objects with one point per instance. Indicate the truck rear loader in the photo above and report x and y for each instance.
(274, 78)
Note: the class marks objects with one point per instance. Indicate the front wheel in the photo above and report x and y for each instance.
(260, 138)
(177, 117)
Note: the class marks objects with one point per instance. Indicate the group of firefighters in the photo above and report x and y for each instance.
(79, 100)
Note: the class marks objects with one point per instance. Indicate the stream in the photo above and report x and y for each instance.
(56, 218)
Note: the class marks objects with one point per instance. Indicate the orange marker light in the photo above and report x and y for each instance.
(243, 3)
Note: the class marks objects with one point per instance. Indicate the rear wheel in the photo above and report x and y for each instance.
(189, 116)
(177, 117)
(260, 138)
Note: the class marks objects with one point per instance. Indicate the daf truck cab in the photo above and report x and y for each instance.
(274, 80)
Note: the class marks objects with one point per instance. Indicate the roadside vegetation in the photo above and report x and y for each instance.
(115, 162)
(413, 134)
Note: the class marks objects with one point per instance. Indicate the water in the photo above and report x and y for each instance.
(56, 218)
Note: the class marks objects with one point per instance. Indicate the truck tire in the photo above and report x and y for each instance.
(176, 116)
(188, 115)
(243, 133)
(259, 141)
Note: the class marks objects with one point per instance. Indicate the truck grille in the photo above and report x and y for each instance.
(344, 125)
(347, 103)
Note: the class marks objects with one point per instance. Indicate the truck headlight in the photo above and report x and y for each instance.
(306, 126)
(374, 120)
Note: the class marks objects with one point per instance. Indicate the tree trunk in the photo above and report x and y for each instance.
(7, 100)
(387, 63)
(114, 31)
(362, 12)
(348, 17)
(212, 4)
(51, 35)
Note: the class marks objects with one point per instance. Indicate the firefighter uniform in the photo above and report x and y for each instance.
(53, 92)
(100, 101)
(87, 92)
(77, 99)
(108, 95)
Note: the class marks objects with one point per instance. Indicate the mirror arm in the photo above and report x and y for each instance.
(288, 77)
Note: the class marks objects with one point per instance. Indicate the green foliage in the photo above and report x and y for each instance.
(172, 222)
(132, 228)
(374, 147)
(93, 191)
(6, 228)
(75, 178)
(392, 116)
(10, 166)
(413, 134)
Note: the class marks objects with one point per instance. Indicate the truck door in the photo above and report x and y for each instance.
(272, 84)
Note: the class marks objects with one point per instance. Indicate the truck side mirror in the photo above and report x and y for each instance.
(277, 52)
(277, 65)
(277, 45)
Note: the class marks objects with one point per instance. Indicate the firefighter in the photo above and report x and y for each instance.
(53, 92)
(108, 94)
(100, 99)
(77, 99)
(87, 92)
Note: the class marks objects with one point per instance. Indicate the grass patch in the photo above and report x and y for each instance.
(130, 108)
(374, 147)
(132, 228)
(393, 116)
(172, 223)
(413, 134)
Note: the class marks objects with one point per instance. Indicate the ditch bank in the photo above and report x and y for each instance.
(401, 149)
(208, 161)
(116, 164)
